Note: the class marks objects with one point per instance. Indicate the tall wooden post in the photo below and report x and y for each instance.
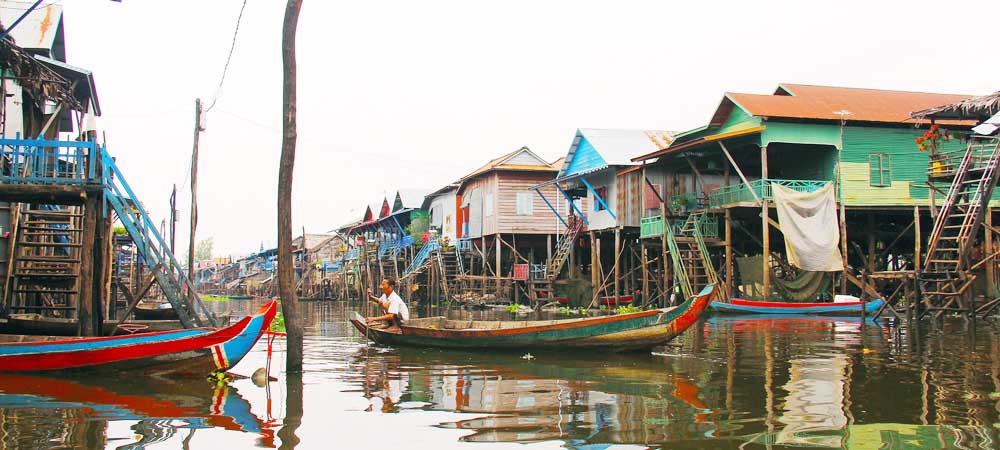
(594, 266)
(843, 247)
(645, 270)
(286, 267)
(617, 263)
(194, 186)
(496, 268)
(987, 251)
(729, 255)
(88, 271)
(765, 227)
(667, 288)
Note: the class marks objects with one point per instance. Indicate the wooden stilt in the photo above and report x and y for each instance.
(617, 263)
(88, 272)
(645, 271)
(728, 288)
(496, 268)
(843, 249)
(988, 250)
(668, 288)
(765, 229)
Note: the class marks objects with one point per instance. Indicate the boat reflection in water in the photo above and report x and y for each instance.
(91, 412)
(613, 399)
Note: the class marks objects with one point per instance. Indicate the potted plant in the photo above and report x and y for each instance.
(931, 142)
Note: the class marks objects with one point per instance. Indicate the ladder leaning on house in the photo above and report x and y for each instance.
(945, 276)
(688, 251)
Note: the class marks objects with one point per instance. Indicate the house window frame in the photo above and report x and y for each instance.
(525, 207)
(880, 167)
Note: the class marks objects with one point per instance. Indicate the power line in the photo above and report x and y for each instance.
(229, 58)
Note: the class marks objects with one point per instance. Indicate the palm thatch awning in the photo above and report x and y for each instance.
(38, 80)
(975, 108)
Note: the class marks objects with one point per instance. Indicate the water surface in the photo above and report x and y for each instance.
(730, 382)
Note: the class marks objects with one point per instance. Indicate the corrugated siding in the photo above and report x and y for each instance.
(541, 220)
(908, 166)
(472, 195)
(629, 198)
(585, 158)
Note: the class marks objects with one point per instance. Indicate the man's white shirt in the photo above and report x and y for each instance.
(396, 306)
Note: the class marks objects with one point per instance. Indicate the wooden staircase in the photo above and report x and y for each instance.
(945, 276)
(45, 271)
(564, 246)
(690, 255)
(449, 265)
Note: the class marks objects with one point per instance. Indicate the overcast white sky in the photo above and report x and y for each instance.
(416, 94)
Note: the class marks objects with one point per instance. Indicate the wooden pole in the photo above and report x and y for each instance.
(496, 268)
(912, 305)
(645, 271)
(664, 247)
(765, 229)
(85, 300)
(740, 172)
(843, 249)
(595, 278)
(173, 218)
(988, 250)
(194, 186)
(286, 267)
(618, 246)
(729, 256)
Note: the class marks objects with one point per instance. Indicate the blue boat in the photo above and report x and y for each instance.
(747, 306)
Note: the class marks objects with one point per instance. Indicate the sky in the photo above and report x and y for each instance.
(404, 94)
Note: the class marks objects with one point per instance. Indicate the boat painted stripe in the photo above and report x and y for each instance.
(20, 348)
(741, 302)
(219, 356)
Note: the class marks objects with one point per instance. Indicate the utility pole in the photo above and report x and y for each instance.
(194, 186)
(173, 218)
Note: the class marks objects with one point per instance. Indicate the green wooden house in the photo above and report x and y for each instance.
(804, 137)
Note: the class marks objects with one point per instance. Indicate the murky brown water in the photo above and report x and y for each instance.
(730, 382)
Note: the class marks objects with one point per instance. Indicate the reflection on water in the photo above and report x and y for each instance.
(729, 382)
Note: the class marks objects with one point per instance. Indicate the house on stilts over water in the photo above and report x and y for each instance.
(858, 149)
(61, 193)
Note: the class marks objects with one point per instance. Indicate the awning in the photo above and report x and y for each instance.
(699, 141)
(85, 90)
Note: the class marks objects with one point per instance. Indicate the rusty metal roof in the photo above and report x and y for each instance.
(514, 161)
(39, 30)
(800, 101)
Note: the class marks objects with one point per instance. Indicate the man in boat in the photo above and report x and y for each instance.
(392, 305)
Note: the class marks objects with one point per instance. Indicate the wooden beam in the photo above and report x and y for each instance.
(47, 193)
(85, 284)
(766, 232)
(740, 172)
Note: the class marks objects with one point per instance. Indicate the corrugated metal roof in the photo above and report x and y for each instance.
(800, 101)
(501, 163)
(616, 147)
(409, 198)
(38, 30)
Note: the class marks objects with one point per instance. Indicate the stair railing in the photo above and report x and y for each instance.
(176, 285)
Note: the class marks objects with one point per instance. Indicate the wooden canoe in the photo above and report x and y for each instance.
(36, 324)
(751, 307)
(635, 331)
(154, 311)
(191, 351)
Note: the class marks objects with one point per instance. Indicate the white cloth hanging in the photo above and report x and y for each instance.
(808, 222)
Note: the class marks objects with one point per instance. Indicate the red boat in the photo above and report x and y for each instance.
(194, 351)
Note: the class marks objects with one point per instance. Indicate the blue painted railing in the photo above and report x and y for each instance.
(45, 161)
(174, 283)
(421, 257)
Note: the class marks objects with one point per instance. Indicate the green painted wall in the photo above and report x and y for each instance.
(908, 166)
(801, 133)
(738, 120)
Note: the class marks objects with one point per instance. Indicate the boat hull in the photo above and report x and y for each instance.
(193, 351)
(635, 331)
(35, 324)
(751, 307)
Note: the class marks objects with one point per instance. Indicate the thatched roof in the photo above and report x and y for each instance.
(975, 108)
(39, 81)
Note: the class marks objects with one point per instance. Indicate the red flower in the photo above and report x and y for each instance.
(920, 140)
(934, 127)
(920, 147)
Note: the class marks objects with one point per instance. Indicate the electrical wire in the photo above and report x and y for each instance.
(225, 68)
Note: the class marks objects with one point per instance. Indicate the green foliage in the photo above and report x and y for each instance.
(203, 250)
(564, 310)
(626, 309)
(215, 298)
(513, 308)
(121, 231)
(278, 324)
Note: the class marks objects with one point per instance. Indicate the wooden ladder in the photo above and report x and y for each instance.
(564, 246)
(690, 256)
(945, 275)
(45, 271)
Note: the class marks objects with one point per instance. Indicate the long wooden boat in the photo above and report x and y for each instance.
(36, 324)
(154, 311)
(635, 331)
(747, 306)
(190, 351)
